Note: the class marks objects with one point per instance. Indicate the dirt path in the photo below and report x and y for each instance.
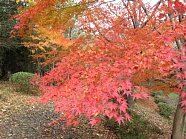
(33, 124)
(20, 120)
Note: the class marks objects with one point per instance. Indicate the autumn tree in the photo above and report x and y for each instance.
(127, 46)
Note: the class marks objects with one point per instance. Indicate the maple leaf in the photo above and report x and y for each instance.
(144, 95)
(111, 114)
(183, 95)
(128, 91)
(78, 111)
(123, 107)
(112, 106)
(183, 103)
(180, 65)
(107, 113)
(127, 116)
(94, 121)
(179, 75)
(180, 85)
(120, 119)
(136, 96)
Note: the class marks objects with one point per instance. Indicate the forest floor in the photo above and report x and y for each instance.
(21, 120)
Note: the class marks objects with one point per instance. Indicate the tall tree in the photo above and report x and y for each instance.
(126, 47)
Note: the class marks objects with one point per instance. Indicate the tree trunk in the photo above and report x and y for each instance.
(178, 123)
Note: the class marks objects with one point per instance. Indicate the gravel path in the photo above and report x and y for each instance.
(33, 124)
(20, 120)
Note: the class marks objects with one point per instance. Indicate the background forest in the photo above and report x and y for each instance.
(14, 56)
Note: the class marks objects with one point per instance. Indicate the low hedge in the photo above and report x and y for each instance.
(166, 110)
(22, 82)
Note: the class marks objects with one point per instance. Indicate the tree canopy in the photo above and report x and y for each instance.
(124, 48)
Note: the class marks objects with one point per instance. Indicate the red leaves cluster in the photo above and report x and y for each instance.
(88, 83)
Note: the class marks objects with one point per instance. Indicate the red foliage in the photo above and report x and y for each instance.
(128, 49)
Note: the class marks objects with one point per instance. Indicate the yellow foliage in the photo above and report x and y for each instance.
(29, 1)
(43, 49)
(33, 51)
(53, 37)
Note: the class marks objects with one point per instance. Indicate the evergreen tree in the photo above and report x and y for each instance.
(13, 55)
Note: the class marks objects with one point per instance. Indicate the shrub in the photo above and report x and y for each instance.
(158, 99)
(22, 81)
(157, 93)
(166, 110)
(137, 128)
(4, 93)
(174, 95)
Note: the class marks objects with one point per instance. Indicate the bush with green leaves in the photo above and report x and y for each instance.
(166, 110)
(158, 99)
(159, 96)
(22, 81)
(157, 93)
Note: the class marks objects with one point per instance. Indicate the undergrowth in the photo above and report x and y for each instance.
(137, 128)
(22, 81)
(166, 104)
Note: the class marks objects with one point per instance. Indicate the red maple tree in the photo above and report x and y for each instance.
(125, 47)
